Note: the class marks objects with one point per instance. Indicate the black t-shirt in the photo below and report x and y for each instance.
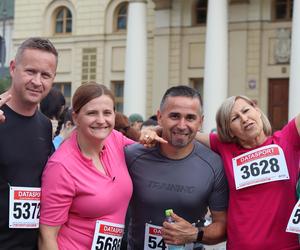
(25, 145)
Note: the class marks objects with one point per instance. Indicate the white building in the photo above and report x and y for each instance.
(248, 48)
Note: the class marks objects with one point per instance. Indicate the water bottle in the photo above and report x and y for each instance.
(169, 219)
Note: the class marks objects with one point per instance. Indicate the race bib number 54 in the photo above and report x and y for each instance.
(265, 164)
(153, 238)
(107, 236)
(24, 207)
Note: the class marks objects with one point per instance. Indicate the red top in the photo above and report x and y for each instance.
(258, 215)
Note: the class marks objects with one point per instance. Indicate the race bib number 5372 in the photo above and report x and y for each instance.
(24, 207)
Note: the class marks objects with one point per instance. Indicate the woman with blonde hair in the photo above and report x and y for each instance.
(262, 171)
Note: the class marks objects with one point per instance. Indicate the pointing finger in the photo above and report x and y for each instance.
(2, 117)
(4, 99)
(160, 139)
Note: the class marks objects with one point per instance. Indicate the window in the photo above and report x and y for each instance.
(117, 88)
(63, 21)
(197, 84)
(282, 10)
(200, 12)
(89, 64)
(121, 16)
(65, 88)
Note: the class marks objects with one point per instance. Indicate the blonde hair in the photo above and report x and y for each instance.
(223, 119)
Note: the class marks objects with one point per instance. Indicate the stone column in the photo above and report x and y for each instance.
(216, 61)
(161, 51)
(136, 59)
(294, 85)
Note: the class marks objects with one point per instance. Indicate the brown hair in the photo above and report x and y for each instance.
(122, 125)
(88, 91)
(37, 43)
(223, 119)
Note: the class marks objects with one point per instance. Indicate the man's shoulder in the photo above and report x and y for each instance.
(135, 147)
(202, 149)
(207, 154)
(136, 151)
(42, 117)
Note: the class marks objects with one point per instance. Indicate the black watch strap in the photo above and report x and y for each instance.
(200, 234)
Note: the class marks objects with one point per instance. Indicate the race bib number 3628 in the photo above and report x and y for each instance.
(262, 165)
(24, 207)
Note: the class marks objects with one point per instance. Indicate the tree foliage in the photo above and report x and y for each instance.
(4, 84)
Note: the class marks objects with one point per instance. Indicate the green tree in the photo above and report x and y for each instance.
(4, 84)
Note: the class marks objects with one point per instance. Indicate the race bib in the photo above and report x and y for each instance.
(265, 164)
(107, 235)
(24, 207)
(153, 238)
(294, 221)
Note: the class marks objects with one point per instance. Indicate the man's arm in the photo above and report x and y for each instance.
(182, 232)
(216, 231)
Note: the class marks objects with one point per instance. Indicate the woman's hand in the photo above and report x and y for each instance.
(150, 136)
(48, 237)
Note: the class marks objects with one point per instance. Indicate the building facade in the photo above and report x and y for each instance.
(91, 37)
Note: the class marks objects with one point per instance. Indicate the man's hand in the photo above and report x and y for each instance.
(180, 232)
(3, 100)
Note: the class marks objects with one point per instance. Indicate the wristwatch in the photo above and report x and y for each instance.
(200, 234)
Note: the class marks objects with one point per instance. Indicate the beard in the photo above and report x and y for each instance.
(181, 138)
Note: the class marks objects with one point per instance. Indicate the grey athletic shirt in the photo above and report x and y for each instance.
(188, 186)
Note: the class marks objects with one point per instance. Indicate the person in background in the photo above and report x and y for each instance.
(151, 121)
(53, 106)
(136, 121)
(182, 174)
(66, 129)
(86, 185)
(26, 142)
(122, 124)
(262, 171)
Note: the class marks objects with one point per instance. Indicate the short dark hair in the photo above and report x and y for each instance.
(87, 92)
(181, 90)
(38, 43)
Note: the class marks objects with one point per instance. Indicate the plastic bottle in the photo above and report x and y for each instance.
(169, 219)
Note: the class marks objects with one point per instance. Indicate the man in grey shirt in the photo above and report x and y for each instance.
(182, 175)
